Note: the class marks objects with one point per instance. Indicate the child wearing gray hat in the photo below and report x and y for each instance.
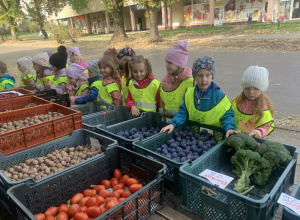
(253, 109)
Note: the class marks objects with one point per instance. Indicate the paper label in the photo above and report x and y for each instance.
(218, 179)
(290, 202)
(95, 143)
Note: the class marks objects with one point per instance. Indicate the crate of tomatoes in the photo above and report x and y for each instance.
(115, 186)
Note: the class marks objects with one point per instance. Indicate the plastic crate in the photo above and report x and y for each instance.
(147, 119)
(20, 102)
(58, 189)
(172, 179)
(52, 96)
(24, 92)
(113, 115)
(46, 93)
(288, 214)
(88, 108)
(210, 202)
(23, 138)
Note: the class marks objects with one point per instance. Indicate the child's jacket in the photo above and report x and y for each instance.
(7, 81)
(93, 94)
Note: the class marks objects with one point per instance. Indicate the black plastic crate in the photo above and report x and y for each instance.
(147, 119)
(210, 202)
(33, 199)
(172, 180)
(52, 96)
(46, 93)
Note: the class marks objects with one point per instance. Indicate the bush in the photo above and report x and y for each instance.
(63, 33)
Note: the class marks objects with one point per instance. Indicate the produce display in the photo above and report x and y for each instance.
(141, 134)
(93, 202)
(187, 145)
(10, 126)
(58, 160)
(8, 95)
(254, 161)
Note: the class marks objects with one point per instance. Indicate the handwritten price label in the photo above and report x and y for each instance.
(290, 202)
(217, 179)
(95, 143)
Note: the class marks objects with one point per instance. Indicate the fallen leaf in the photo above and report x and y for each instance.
(248, 126)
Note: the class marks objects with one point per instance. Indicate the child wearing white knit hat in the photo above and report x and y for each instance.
(253, 109)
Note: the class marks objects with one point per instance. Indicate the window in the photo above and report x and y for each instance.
(187, 2)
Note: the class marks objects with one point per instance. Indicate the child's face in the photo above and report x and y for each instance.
(36, 67)
(203, 79)
(138, 71)
(91, 75)
(21, 68)
(74, 58)
(53, 68)
(171, 68)
(105, 70)
(72, 81)
(252, 93)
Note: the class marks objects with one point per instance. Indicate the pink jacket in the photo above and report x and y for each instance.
(247, 107)
(73, 89)
(116, 95)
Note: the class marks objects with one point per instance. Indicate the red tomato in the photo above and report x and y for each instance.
(135, 187)
(93, 211)
(76, 198)
(73, 209)
(83, 201)
(51, 211)
(124, 178)
(83, 208)
(115, 194)
(100, 199)
(118, 186)
(111, 198)
(63, 208)
(89, 192)
(49, 217)
(117, 173)
(102, 208)
(126, 194)
(114, 181)
(93, 201)
(106, 183)
(119, 191)
(99, 187)
(62, 216)
(110, 204)
(121, 199)
(81, 216)
(131, 181)
(40, 216)
(105, 193)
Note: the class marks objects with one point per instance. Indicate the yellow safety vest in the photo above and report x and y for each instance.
(4, 82)
(145, 98)
(172, 99)
(81, 89)
(28, 76)
(266, 118)
(59, 80)
(209, 117)
(124, 90)
(97, 84)
(104, 94)
(40, 82)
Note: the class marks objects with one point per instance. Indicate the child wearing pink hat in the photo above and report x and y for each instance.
(178, 78)
(75, 57)
(77, 85)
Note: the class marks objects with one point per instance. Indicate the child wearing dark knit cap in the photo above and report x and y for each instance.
(205, 103)
(58, 66)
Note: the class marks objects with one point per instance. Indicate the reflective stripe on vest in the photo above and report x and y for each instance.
(265, 119)
(104, 94)
(28, 76)
(4, 82)
(80, 89)
(145, 98)
(59, 80)
(172, 99)
(210, 117)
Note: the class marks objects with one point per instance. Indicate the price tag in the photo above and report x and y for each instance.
(290, 202)
(218, 179)
(95, 143)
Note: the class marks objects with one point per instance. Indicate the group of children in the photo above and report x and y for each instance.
(124, 78)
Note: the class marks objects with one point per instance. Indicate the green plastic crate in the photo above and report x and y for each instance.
(210, 202)
(288, 214)
(172, 179)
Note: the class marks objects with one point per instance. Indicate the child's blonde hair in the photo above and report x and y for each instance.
(109, 62)
(259, 104)
(134, 60)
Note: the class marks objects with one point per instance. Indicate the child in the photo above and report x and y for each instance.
(94, 80)
(40, 63)
(178, 78)
(205, 103)
(6, 80)
(75, 57)
(24, 65)
(77, 85)
(113, 53)
(124, 55)
(58, 66)
(252, 104)
(143, 89)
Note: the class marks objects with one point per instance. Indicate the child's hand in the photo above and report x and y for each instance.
(168, 127)
(48, 84)
(255, 133)
(134, 110)
(230, 132)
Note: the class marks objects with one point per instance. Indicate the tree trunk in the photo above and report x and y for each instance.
(153, 24)
(1, 38)
(119, 34)
(14, 36)
(40, 20)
